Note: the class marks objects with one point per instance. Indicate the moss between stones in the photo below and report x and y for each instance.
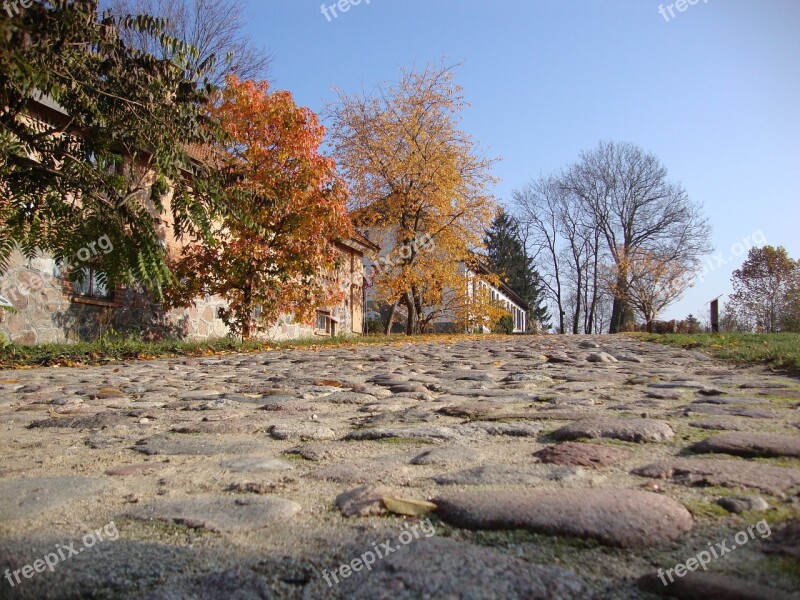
(402, 440)
(780, 461)
(780, 513)
(294, 456)
(161, 531)
(703, 508)
(784, 565)
(777, 398)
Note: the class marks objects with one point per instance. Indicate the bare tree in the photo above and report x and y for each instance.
(214, 27)
(636, 207)
(577, 232)
(592, 287)
(561, 230)
(539, 208)
(612, 225)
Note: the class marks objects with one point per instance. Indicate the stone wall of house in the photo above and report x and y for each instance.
(35, 290)
(350, 272)
(48, 312)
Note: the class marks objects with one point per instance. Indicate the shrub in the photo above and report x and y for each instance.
(505, 325)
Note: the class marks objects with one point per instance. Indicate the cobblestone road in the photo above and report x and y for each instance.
(560, 467)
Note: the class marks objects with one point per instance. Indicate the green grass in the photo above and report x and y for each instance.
(110, 349)
(778, 350)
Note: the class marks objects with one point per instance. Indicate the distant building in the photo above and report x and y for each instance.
(512, 301)
(445, 322)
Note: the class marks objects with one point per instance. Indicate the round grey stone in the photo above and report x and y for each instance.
(29, 497)
(625, 518)
(740, 504)
(252, 464)
(629, 430)
(221, 514)
(301, 432)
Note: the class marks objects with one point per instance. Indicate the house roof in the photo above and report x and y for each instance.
(360, 243)
(364, 240)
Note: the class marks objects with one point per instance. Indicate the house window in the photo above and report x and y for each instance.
(92, 285)
(324, 323)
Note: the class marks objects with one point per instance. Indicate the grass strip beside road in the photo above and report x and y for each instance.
(118, 348)
(777, 350)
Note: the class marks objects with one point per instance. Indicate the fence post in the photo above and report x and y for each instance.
(715, 315)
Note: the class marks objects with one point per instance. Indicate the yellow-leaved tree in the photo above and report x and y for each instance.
(414, 175)
(652, 282)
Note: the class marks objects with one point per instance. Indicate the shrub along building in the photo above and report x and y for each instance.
(48, 307)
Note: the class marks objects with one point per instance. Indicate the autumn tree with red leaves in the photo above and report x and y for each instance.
(288, 207)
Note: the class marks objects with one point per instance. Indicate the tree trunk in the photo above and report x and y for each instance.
(620, 311)
(561, 327)
(576, 319)
(247, 300)
(420, 311)
(621, 315)
(593, 306)
(390, 322)
(412, 314)
(616, 316)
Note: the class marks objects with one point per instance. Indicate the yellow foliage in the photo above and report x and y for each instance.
(649, 282)
(414, 175)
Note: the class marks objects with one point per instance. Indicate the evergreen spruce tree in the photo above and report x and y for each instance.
(508, 258)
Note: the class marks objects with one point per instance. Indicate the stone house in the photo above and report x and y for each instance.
(48, 308)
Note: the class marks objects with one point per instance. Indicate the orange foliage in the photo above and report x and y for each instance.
(287, 208)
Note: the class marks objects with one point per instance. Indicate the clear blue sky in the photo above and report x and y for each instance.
(714, 91)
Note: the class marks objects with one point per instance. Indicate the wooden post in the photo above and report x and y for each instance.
(715, 315)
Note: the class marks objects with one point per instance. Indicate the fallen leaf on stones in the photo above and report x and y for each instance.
(408, 506)
(57, 415)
